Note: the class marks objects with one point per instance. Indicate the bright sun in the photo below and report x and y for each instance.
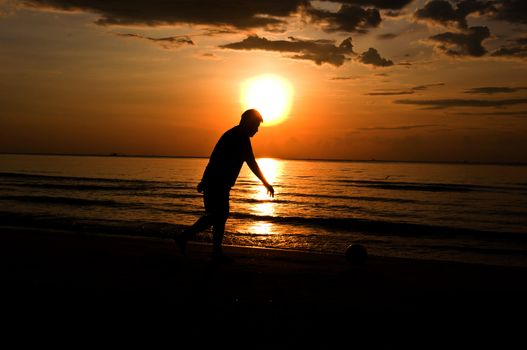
(270, 94)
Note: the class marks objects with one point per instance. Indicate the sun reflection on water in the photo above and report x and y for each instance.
(272, 171)
(262, 228)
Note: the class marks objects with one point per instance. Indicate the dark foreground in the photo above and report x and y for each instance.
(56, 285)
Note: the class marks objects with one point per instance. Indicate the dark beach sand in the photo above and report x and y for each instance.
(61, 283)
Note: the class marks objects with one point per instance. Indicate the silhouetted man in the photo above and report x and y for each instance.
(225, 163)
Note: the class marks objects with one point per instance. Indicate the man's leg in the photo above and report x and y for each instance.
(221, 214)
(201, 224)
(218, 231)
(217, 239)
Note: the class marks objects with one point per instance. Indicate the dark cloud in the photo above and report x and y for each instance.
(348, 18)
(349, 77)
(444, 13)
(371, 56)
(439, 11)
(426, 86)
(468, 43)
(318, 51)
(489, 90)
(517, 49)
(392, 13)
(208, 56)
(381, 4)
(513, 11)
(512, 52)
(391, 93)
(409, 91)
(236, 13)
(521, 114)
(218, 31)
(387, 36)
(355, 15)
(404, 127)
(449, 103)
(167, 42)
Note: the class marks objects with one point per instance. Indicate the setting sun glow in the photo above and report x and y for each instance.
(270, 94)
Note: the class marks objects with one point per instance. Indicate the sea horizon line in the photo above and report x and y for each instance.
(371, 160)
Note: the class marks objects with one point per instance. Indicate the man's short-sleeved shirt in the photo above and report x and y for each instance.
(226, 161)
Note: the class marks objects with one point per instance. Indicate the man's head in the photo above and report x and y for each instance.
(250, 121)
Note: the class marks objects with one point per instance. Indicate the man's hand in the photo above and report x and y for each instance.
(200, 187)
(270, 190)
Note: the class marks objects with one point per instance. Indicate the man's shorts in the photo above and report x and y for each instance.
(216, 202)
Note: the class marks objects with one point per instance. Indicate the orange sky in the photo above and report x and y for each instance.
(418, 80)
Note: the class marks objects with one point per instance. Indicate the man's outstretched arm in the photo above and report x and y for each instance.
(253, 165)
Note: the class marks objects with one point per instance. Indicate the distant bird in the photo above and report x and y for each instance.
(386, 178)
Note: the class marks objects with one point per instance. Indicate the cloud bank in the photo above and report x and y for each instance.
(349, 18)
(318, 51)
(467, 41)
(517, 48)
(380, 4)
(235, 13)
(444, 13)
(462, 44)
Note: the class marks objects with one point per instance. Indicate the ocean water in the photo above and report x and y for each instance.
(456, 212)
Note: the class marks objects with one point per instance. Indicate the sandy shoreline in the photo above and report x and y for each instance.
(291, 297)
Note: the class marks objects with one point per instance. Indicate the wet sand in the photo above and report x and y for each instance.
(93, 285)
